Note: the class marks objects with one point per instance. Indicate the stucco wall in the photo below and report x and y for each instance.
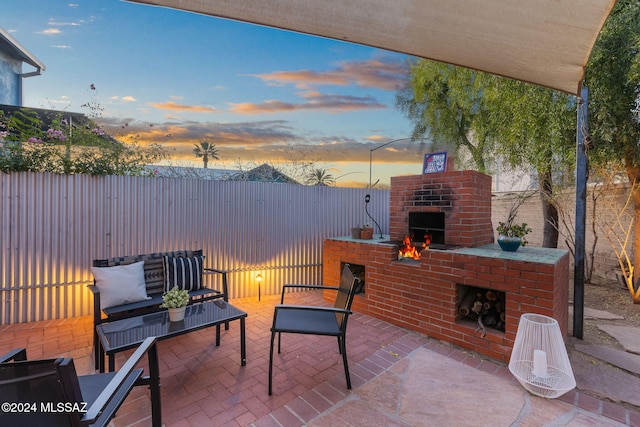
(605, 261)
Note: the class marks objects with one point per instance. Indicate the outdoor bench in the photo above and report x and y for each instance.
(136, 285)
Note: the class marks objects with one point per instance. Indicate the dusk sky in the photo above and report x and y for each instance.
(259, 94)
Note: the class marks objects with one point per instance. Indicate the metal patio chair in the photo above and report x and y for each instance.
(331, 321)
(50, 393)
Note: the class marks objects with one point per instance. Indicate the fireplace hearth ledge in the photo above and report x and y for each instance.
(526, 253)
(376, 239)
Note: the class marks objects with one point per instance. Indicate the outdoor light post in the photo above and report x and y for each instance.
(384, 145)
(259, 279)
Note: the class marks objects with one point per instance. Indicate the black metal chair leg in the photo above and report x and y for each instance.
(154, 386)
(96, 350)
(343, 350)
(273, 336)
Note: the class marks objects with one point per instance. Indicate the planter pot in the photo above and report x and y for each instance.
(355, 233)
(510, 244)
(176, 314)
(366, 233)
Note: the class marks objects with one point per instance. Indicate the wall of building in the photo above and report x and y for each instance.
(606, 207)
(10, 69)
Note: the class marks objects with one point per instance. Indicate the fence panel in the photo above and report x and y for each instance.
(53, 226)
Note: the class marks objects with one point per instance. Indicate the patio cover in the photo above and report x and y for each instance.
(545, 42)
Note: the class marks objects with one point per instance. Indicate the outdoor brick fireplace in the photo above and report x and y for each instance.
(425, 295)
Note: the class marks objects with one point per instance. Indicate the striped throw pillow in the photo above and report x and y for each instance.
(185, 273)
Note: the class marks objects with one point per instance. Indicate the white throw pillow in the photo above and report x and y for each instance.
(121, 284)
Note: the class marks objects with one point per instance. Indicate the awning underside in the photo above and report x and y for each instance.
(546, 42)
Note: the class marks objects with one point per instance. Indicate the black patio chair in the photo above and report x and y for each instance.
(50, 393)
(15, 354)
(315, 320)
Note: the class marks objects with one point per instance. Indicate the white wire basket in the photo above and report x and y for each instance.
(539, 358)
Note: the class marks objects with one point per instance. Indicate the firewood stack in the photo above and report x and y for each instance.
(484, 306)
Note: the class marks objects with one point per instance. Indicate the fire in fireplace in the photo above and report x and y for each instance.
(412, 250)
(425, 229)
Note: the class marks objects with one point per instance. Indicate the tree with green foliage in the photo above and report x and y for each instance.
(535, 128)
(613, 79)
(319, 176)
(206, 150)
(444, 102)
(526, 126)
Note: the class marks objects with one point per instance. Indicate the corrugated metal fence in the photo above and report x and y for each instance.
(53, 226)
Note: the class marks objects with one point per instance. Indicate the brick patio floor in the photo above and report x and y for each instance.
(203, 385)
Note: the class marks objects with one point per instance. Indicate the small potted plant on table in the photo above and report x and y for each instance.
(175, 301)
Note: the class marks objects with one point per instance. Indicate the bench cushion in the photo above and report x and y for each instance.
(120, 284)
(153, 266)
(183, 272)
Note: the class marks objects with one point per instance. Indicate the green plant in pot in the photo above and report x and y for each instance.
(176, 301)
(511, 235)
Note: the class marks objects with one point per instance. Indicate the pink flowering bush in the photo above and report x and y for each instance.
(83, 147)
(56, 134)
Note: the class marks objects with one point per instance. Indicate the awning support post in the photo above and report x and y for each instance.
(582, 175)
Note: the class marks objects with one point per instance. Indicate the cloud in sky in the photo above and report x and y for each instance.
(62, 24)
(315, 101)
(127, 98)
(264, 92)
(174, 106)
(377, 138)
(51, 32)
(371, 73)
(276, 140)
(244, 134)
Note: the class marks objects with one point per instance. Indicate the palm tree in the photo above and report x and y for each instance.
(318, 176)
(206, 150)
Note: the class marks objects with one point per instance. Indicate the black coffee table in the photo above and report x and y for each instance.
(125, 334)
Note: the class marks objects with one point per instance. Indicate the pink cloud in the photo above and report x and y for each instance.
(314, 102)
(372, 73)
(174, 106)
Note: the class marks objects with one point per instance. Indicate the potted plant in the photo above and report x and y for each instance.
(175, 301)
(511, 236)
